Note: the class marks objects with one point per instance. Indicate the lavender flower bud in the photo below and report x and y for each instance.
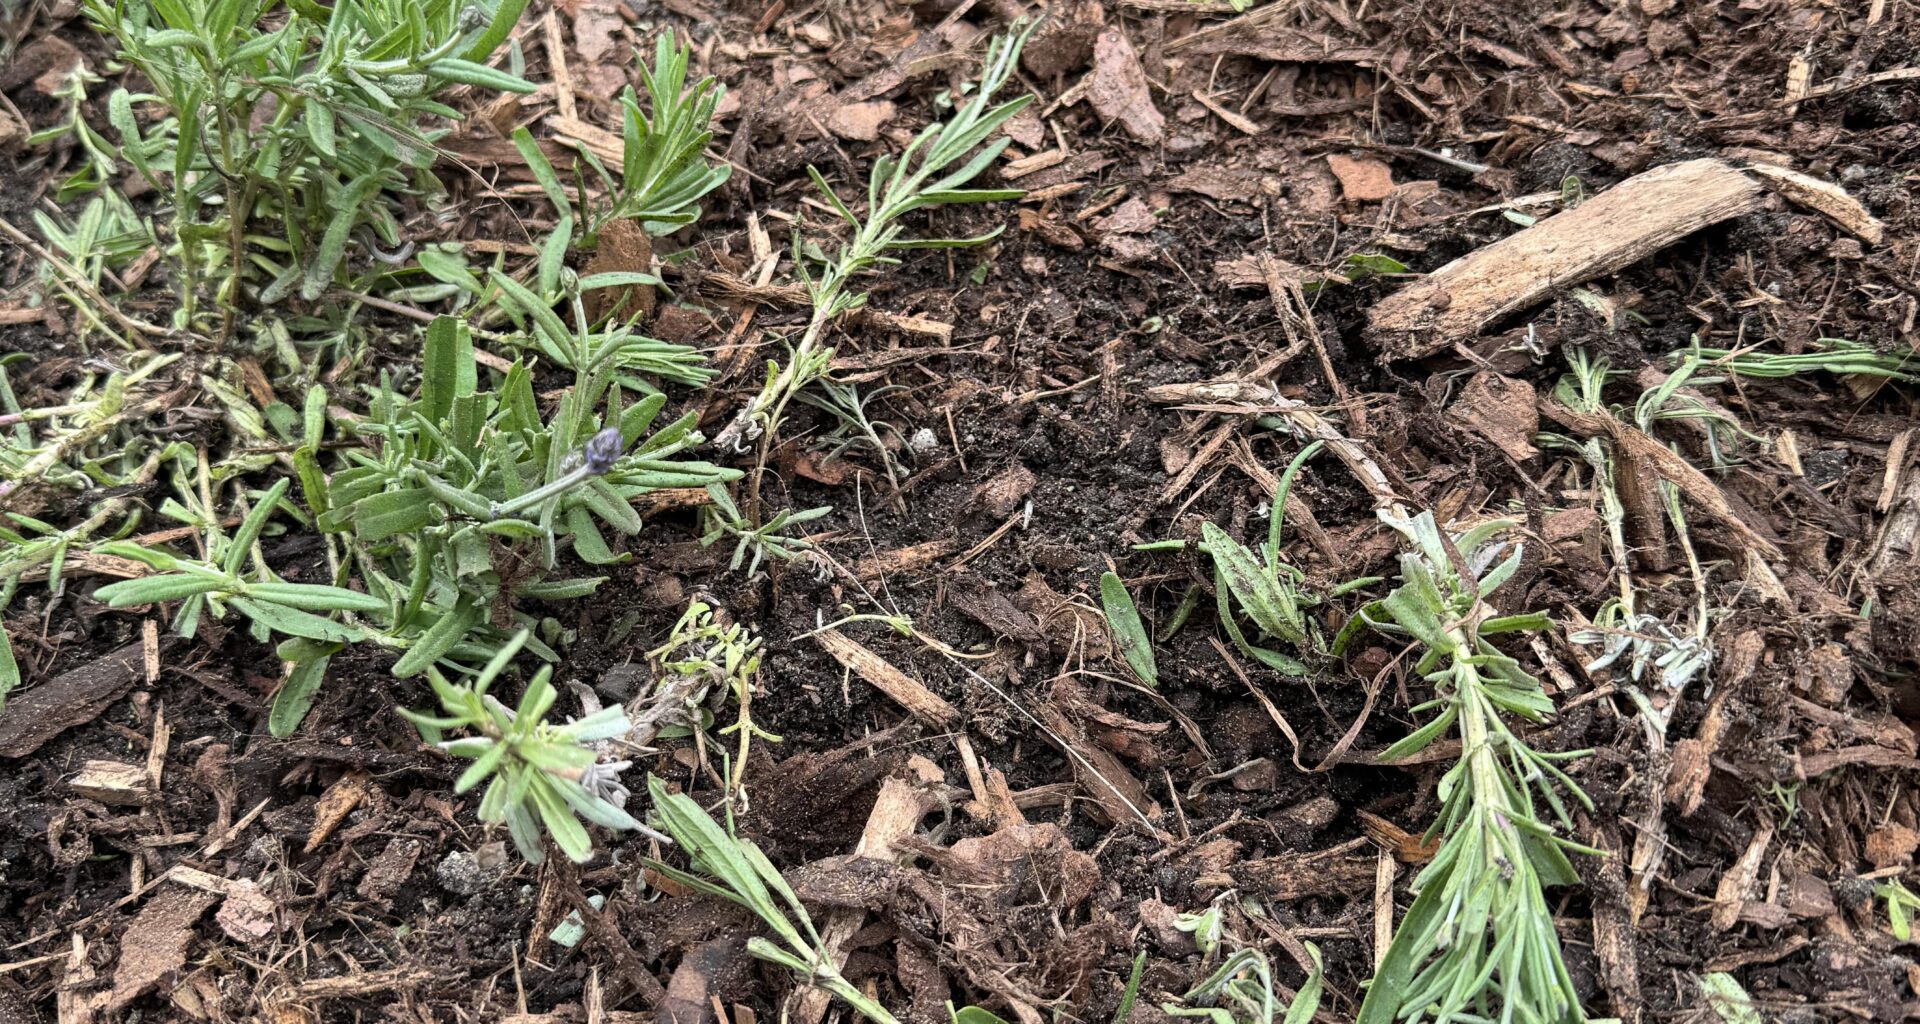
(602, 451)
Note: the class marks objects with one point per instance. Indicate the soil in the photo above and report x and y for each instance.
(1034, 460)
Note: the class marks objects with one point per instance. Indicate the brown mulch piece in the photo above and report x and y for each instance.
(72, 698)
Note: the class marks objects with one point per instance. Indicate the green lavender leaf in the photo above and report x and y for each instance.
(1123, 619)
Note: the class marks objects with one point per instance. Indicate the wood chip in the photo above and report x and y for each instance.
(155, 944)
(1108, 782)
(71, 698)
(905, 690)
(1500, 409)
(860, 122)
(606, 145)
(1384, 871)
(1614, 229)
(589, 42)
(896, 813)
(367, 983)
(1291, 876)
(1825, 198)
(1693, 757)
(1737, 885)
(1361, 180)
(150, 649)
(1239, 121)
(1117, 88)
(335, 804)
(112, 783)
(1896, 468)
(1016, 169)
(1615, 944)
(248, 915)
(1695, 485)
(907, 559)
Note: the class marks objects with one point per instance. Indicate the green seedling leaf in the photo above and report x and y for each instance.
(1123, 619)
(294, 622)
(542, 169)
(1901, 904)
(565, 829)
(439, 639)
(553, 258)
(1387, 992)
(505, 13)
(9, 668)
(154, 589)
(953, 197)
(1132, 991)
(388, 513)
(1366, 264)
(1256, 592)
(469, 72)
(587, 541)
(295, 696)
(832, 197)
(320, 129)
(447, 369)
(946, 243)
(1729, 1001)
(242, 543)
(617, 279)
(317, 598)
(973, 1015)
(1306, 1002)
(333, 244)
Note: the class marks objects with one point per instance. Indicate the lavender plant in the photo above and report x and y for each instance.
(283, 127)
(542, 775)
(1478, 943)
(933, 171)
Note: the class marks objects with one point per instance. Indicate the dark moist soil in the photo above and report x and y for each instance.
(1034, 429)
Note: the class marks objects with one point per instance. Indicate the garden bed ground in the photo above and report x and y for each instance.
(1195, 177)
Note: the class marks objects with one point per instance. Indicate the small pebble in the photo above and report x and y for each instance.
(459, 873)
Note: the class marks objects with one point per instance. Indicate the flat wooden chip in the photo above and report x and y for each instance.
(1621, 226)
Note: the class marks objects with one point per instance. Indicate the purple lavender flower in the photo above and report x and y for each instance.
(602, 451)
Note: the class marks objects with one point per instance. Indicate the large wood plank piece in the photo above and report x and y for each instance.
(1618, 227)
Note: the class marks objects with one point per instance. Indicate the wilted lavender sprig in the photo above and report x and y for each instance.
(597, 458)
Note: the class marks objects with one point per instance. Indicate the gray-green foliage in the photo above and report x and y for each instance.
(9, 668)
(1240, 991)
(726, 866)
(934, 170)
(706, 648)
(1901, 905)
(1262, 586)
(663, 174)
(1829, 355)
(722, 520)
(283, 127)
(449, 509)
(96, 164)
(1478, 943)
(445, 501)
(542, 774)
(663, 171)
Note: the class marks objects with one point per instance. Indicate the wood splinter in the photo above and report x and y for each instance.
(1621, 226)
